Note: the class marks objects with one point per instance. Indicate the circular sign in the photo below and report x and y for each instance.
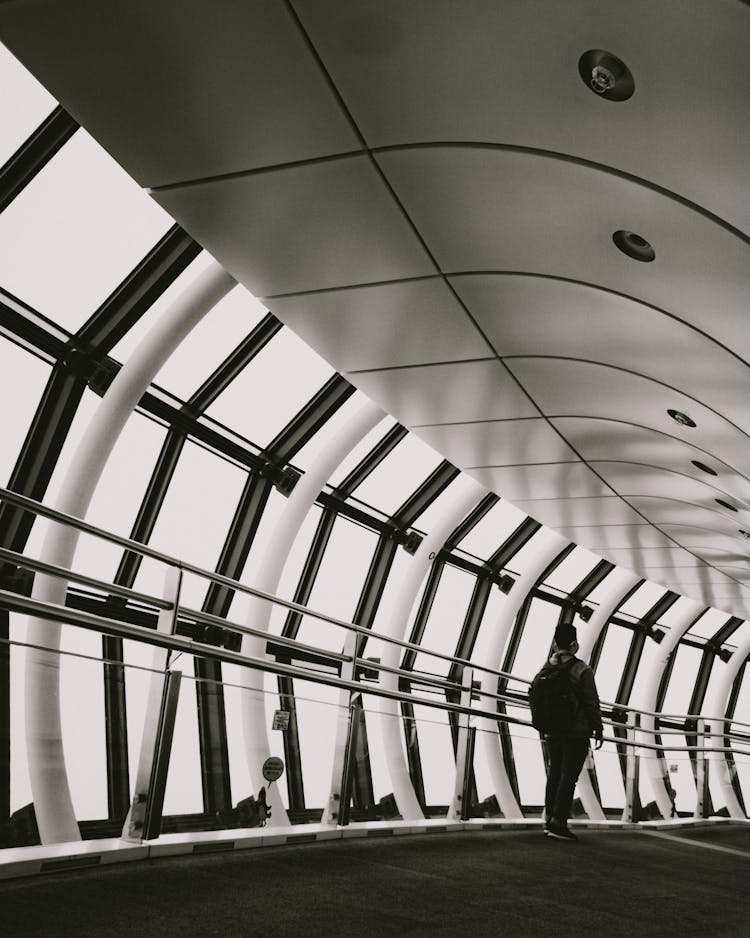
(272, 769)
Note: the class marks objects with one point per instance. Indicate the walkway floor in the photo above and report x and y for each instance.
(520, 884)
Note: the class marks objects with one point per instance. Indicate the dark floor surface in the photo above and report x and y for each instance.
(520, 884)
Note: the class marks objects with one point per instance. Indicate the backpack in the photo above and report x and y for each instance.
(553, 699)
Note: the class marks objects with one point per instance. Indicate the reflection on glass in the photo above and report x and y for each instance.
(24, 104)
(75, 232)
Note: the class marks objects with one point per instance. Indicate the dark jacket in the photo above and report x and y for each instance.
(589, 718)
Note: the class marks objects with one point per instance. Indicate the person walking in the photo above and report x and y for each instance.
(565, 709)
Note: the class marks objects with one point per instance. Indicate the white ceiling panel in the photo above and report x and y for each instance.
(683, 577)
(564, 512)
(697, 539)
(654, 557)
(434, 394)
(212, 88)
(666, 511)
(417, 71)
(563, 387)
(498, 443)
(606, 537)
(389, 324)
(485, 210)
(310, 227)
(629, 479)
(518, 483)
(527, 315)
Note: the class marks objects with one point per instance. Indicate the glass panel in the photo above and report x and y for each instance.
(436, 755)
(194, 519)
(642, 600)
(382, 622)
(381, 780)
(75, 232)
(20, 785)
(391, 483)
(279, 382)
(682, 680)
(339, 583)
(445, 620)
(435, 511)
(293, 566)
(612, 661)
(609, 775)
(528, 760)
(536, 638)
(531, 549)
(487, 629)
(329, 432)
(709, 623)
(568, 574)
(24, 104)
(22, 380)
(362, 449)
(184, 793)
(491, 531)
(648, 657)
(217, 335)
(317, 718)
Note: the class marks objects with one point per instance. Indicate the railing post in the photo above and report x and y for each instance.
(632, 766)
(459, 809)
(143, 821)
(701, 769)
(337, 807)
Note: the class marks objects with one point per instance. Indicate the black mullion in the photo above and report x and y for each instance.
(471, 623)
(373, 459)
(4, 716)
(428, 491)
(723, 634)
(513, 543)
(22, 324)
(731, 707)
(372, 591)
(34, 154)
(234, 363)
(137, 293)
(310, 571)
(589, 583)
(334, 393)
(295, 782)
(40, 452)
(471, 520)
(638, 641)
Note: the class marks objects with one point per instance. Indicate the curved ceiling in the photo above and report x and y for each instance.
(428, 192)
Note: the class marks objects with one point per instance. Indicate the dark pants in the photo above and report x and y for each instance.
(566, 757)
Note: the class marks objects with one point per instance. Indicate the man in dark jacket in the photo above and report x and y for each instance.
(567, 751)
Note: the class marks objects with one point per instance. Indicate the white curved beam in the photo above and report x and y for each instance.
(46, 760)
(307, 489)
(717, 706)
(488, 739)
(615, 588)
(390, 722)
(655, 765)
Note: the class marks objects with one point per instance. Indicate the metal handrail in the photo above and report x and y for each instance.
(39, 508)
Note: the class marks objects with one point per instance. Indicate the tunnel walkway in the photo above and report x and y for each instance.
(610, 883)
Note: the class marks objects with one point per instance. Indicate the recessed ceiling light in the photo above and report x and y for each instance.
(634, 246)
(682, 419)
(606, 75)
(744, 533)
(720, 501)
(704, 468)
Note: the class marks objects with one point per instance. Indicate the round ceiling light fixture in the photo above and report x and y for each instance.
(634, 246)
(744, 533)
(682, 419)
(720, 501)
(704, 468)
(606, 75)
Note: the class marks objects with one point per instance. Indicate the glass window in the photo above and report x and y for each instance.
(445, 620)
(612, 661)
(266, 396)
(709, 623)
(527, 555)
(220, 331)
(648, 657)
(642, 600)
(75, 232)
(491, 531)
(528, 759)
(194, 519)
(24, 104)
(487, 629)
(339, 583)
(362, 449)
(568, 574)
(435, 754)
(317, 718)
(328, 434)
(184, 793)
(682, 680)
(536, 638)
(22, 380)
(403, 470)
(435, 511)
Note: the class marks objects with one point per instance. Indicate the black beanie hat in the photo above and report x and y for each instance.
(565, 635)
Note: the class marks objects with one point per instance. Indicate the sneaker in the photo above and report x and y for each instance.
(559, 831)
